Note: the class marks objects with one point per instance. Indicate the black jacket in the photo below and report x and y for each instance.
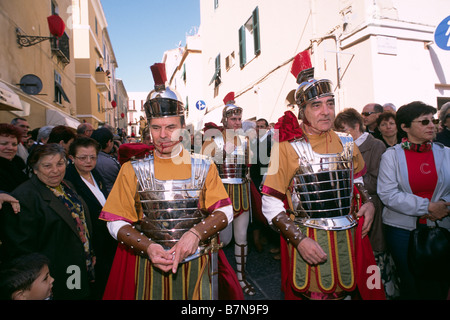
(12, 173)
(104, 244)
(44, 224)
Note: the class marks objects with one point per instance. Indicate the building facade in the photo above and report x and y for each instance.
(56, 79)
(373, 50)
(95, 64)
(37, 70)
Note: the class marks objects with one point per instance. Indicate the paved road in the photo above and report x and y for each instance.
(262, 271)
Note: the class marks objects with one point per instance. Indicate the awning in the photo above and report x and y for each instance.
(58, 118)
(9, 100)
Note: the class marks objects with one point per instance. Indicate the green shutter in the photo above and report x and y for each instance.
(256, 40)
(242, 55)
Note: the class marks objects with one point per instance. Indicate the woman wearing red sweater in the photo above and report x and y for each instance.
(414, 185)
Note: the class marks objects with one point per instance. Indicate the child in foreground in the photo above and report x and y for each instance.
(26, 278)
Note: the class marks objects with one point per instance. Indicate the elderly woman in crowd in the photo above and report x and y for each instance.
(12, 167)
(54, 221)
(388, 129)
(414, 185)
(89, 184)
(350, 121)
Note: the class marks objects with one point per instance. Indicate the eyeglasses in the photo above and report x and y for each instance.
(426, 122)
(85, 158)
(366, 114)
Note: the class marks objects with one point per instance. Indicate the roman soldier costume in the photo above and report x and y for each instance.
(317, 178)
(161, 199)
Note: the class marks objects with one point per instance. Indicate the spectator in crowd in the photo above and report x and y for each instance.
(85, 129)
(370, 114)
(26, 278)
(107, 165)
(443, 136)
(42, 136)
(142, 125)
(351, 122)
(32, 138)
(62, 135)
(389, 107)
(54, 221)
(388, 129)
(12, 167)
(89, 184)
(414, 186)
(23, 126)
(261, 149)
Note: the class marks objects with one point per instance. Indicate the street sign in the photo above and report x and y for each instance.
(200, 105)
(442, 34)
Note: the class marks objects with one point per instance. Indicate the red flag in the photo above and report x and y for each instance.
(56, 25)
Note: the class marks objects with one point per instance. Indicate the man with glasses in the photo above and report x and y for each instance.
(85, 129)
(370, 115)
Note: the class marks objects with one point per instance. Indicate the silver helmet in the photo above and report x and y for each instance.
(162, 101)
(230, 108)
(310, 88)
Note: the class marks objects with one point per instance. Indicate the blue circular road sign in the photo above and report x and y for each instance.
(200, 105)
(442, 34)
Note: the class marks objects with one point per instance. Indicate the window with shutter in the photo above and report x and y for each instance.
(249, 39)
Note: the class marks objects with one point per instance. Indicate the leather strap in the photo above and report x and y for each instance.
(211, 225)
(135, 240)
(365, 196)
(288, 229)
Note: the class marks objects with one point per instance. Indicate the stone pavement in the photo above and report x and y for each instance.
(263, 272)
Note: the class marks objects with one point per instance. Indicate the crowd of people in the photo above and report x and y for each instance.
(78, 218)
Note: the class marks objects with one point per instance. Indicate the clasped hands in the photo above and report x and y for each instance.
(168, 260)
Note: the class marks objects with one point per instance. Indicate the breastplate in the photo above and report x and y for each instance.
(171, 207)
(232, 167)
(323, 186)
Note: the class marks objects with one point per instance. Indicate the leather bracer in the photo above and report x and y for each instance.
(211, 225)
(133, 239)
(288, 229)
(365, 197)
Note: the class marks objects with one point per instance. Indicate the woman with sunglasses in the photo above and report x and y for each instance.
(414, 185)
